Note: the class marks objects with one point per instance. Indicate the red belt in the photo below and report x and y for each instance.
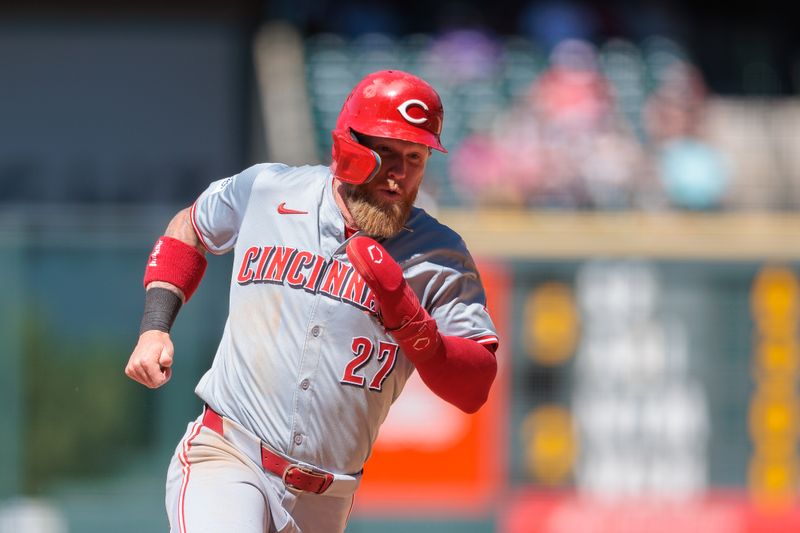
(295, 476)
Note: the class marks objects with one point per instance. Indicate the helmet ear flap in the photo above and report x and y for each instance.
(353, 162)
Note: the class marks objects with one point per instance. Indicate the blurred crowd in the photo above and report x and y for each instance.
(573, 126)
(573, 107)
(567, 142)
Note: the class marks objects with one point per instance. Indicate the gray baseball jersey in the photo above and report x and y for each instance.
(303, 362)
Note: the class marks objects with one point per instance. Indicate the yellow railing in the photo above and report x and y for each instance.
(740, 236)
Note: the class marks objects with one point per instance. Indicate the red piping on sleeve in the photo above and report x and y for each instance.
(197, 229)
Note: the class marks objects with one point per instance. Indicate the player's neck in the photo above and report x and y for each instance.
(349, 221)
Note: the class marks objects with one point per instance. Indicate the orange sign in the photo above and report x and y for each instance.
(430, 457)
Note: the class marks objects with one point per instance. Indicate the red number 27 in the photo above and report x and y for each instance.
(362, 351)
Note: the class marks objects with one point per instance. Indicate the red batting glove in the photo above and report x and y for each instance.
(400, 310)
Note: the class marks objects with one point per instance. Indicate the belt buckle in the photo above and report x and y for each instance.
(324, 477)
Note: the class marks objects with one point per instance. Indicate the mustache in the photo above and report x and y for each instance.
(361, 192)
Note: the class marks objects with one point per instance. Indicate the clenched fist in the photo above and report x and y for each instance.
(151, 361)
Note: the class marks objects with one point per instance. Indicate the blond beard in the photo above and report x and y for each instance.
(373, 216)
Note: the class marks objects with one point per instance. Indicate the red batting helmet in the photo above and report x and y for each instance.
(388, 103)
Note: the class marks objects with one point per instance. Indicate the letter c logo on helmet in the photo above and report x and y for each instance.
(403, 108)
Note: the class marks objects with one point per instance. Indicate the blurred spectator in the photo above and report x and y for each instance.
(476, 167)
(613, 168)
(501, 167)
(692, 172)
(675, 108)
(463, 55)
(572, 95)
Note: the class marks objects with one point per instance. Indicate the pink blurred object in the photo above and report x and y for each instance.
(572, 93)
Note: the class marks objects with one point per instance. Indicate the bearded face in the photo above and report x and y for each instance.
(381, 207)
(376, 215)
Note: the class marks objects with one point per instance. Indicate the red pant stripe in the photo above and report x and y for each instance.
(183, 458)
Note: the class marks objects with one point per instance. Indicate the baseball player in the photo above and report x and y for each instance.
(340, 289)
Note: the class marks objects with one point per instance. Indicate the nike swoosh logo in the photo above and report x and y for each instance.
(283, 210)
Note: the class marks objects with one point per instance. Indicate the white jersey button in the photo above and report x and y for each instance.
(298, 439)
(305, 384)
(315, 331)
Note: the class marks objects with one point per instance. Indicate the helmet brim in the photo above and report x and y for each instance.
(414, 135)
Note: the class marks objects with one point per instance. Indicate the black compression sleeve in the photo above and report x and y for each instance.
(161, 306)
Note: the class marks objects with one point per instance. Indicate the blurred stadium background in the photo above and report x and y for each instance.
(627, 174)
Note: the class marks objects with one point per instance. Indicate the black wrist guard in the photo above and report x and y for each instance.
(161, 306)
